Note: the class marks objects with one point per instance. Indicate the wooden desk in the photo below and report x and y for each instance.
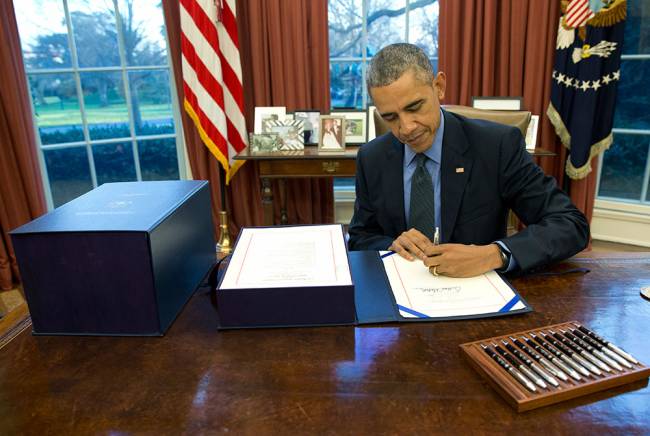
(384, 379)
(297, 164)
(305, 164)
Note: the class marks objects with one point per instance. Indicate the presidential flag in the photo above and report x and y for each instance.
(585, 76)
(212, 79)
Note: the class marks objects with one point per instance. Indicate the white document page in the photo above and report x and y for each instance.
(273, 257)
(420, 294)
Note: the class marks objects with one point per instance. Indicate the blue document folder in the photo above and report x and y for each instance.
(375, 302)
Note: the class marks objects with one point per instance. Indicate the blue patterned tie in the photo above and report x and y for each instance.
(422, 211)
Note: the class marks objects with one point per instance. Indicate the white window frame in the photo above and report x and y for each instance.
(364, 58)
(133, 138)
(624, 220)
(344, 196)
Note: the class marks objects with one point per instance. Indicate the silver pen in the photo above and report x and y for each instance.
(588, 351)
(560, 359)
(547, 365)
(567, 354)
(436, 236)
(601, 352)
(513, 372)
(534, 375)
(608, 344)
(523, 375)
(578, 354)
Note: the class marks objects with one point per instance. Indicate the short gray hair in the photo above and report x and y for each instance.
(392, 61)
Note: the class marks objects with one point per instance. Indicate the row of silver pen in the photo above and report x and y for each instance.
(540, 360)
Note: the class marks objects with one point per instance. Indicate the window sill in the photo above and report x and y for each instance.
(621, 222)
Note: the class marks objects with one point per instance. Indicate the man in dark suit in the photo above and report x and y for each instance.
(439, 170)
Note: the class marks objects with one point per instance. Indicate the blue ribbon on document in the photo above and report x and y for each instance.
(412, 312)
(509, 304)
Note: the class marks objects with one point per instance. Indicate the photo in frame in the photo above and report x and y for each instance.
(497, 103)
(356, 126)
(311, 119)
(264, 142)
(531, 132)
(332, 133)
(263, 114)
(290, 132)
(372, 132)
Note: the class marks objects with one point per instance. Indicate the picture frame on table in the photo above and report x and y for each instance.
(497, 103)
(265, 113)
(372, 129)
(531, 132)
(290, 132)
(356, 126)
(311, 119)
(332, 134)
(261, 143)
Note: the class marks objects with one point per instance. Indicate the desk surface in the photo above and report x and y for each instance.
(372, 380)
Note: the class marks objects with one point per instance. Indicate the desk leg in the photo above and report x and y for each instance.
(267, 201)
(284, 218)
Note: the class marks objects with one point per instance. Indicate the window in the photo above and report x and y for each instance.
(625, 167)
(360, 28)
(357, 30)
(99, 81)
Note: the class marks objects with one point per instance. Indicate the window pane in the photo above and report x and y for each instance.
(158, 159)
(43, 33)
(637, 28)
(114, 162)
(434, 63)
(93, 26)
(56, 108)
(423, 28)
(386, 23)
(144, 32)
(346, 83)
(623, 167)
(345, 19)
(151, 102)
(69, 173)
(633, 95)
(105, 106)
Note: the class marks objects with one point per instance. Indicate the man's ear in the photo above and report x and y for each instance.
(440, 84)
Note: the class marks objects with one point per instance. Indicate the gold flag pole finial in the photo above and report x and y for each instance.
(224, 243)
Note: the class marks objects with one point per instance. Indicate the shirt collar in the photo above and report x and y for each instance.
(435, 151)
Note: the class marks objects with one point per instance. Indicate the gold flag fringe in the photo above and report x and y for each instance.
(565, 137)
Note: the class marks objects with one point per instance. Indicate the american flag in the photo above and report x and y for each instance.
(212, 79)
(578, 13)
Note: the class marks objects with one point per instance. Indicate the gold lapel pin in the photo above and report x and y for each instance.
(460, 170)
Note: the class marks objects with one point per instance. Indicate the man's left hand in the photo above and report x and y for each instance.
(458, 260)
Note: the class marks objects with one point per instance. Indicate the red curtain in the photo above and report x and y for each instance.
(284, 55)
(21, 191)
(507, 48)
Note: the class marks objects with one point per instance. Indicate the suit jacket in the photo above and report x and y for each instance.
(497, 174)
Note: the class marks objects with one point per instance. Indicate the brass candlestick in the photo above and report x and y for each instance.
(225, 246)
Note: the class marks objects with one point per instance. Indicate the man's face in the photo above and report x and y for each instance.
(411, 108)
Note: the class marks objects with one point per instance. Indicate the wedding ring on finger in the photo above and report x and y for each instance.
(434, 271)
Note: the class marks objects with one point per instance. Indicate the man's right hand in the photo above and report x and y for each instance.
(411, 245)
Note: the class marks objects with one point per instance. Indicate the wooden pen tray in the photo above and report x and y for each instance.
(521, 398)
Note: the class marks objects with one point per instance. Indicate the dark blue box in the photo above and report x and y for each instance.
(122, 259)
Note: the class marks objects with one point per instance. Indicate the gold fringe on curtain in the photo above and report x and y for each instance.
(565, 137)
